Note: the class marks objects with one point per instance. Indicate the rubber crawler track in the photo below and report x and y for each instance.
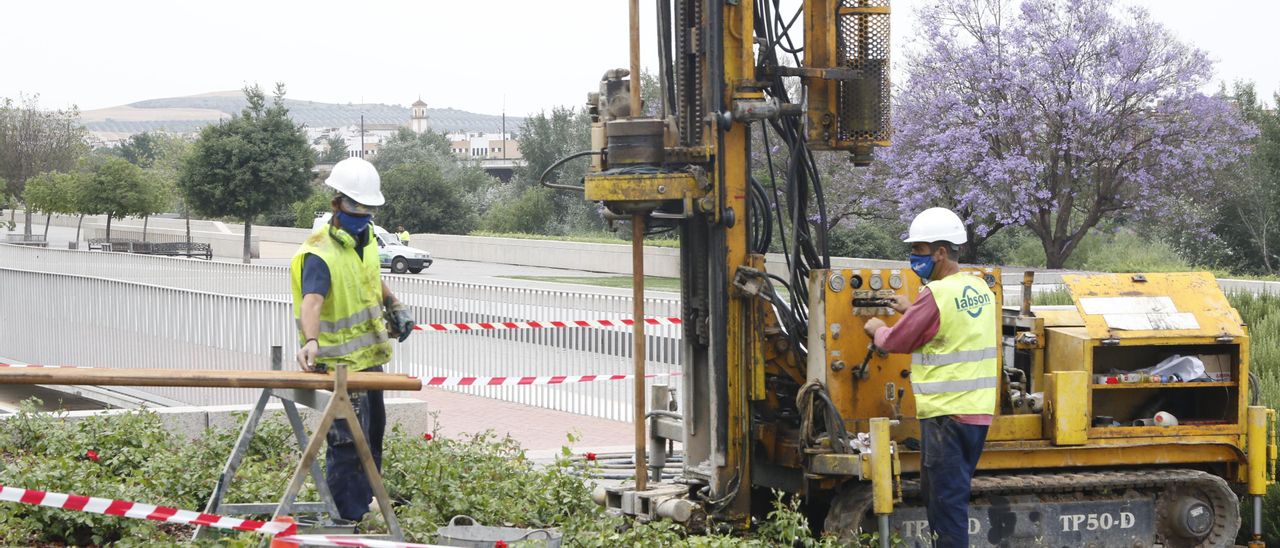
(856, 499)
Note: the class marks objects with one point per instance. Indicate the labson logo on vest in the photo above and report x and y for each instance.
(971, 302)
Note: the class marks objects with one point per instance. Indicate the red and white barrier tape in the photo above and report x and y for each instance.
(137, 510)
(341, 540)
(519, 381)
(540, 325)
(45, 366)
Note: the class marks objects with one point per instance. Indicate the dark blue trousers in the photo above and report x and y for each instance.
(346, 479)
(949, 454)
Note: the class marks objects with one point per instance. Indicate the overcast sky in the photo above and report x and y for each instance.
(465, 55)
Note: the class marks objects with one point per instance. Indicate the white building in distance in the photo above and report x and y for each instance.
(497, 150)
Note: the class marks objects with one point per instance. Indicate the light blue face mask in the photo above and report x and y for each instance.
(353, 224)
(922, 265)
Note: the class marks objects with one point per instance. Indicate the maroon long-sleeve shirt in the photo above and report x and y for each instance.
(918, 325)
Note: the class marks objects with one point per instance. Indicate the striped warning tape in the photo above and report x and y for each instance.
(518, 381)
(343, 540)
(19, 365)
(481, 326)
(138, 510)
(456, 381)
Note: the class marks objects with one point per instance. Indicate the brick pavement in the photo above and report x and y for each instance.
(538, 430)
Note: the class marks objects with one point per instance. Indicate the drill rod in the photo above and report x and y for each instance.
(635, 59)
(637, 297)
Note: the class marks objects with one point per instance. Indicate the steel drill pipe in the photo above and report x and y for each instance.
(637, 283)
(635, 59)
(206, 378)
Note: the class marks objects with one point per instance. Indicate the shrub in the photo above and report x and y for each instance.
(866, 240)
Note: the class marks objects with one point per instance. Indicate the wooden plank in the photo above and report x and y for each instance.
(204, 378)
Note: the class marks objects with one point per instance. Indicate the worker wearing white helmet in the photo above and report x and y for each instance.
(950, 332)
(344, 312)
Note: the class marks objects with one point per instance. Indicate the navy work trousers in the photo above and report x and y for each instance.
(949, 454)
(346, 478)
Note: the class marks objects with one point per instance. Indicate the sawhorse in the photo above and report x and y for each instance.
(336, 405)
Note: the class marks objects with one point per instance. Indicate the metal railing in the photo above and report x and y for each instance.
(126, 310)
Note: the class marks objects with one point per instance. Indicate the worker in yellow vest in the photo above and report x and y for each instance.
(344, 313)
(402, 234)
(950, 332)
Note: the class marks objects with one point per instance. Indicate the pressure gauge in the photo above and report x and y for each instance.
(990, 279)
(874, 282)
(895, 281)
(836, 282)
(855, 281)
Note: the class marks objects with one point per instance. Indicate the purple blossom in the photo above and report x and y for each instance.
(1056, 116)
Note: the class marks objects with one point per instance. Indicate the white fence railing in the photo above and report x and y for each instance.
(125, 310)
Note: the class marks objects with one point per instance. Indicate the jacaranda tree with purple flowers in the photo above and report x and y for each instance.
(1056, 115)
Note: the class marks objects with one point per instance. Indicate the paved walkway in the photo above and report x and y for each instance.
(539, 431)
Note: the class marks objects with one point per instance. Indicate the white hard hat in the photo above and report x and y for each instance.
(937, 224)
(357, 179)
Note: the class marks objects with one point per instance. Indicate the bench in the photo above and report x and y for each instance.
(113, 244)
(168, 249)
(180, 249)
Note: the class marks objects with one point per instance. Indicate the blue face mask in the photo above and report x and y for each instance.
(922, 265)
(353, 224)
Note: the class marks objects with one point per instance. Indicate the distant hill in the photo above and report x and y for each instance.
(189, 114)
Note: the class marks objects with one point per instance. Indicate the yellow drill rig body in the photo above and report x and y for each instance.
(781, 389)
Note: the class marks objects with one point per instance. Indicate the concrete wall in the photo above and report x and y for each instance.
(191, 422)
(604, 258)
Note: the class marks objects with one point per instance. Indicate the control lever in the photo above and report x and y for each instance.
(893, 395)
(872, 302)
(872, 349)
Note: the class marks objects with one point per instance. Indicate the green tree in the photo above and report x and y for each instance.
(119, 189)
(52, 192)
(407, 147)
(1249, 221)
(544, 139)
(33, 141)
(430, 151)
(526, 213)
(420, 198)
(335, 150)
(305, 211)
(141, 149)
(246, 166)
(160, 155)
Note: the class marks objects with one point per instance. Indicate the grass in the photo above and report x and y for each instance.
(592, 238)
(655, 283)
(1261, 313)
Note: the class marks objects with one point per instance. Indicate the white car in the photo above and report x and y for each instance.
(392, 253)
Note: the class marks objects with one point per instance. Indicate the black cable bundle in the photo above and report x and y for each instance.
(801, 180)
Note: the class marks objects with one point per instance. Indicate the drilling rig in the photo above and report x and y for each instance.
(782, 388)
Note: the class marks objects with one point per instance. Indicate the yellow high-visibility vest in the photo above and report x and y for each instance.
(351, 327)
(955, 373)
(404, 237)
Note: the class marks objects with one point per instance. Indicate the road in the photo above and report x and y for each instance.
(496, 274)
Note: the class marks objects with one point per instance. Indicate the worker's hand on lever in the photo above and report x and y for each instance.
(399, 322)
(307, 355)
(872, 325)
(901, 303)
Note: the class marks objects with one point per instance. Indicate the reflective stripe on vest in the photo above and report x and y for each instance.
(351, 346)
(942, 387)
(349, 321)
(953, 357)
(352, 330)
(956, 373)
